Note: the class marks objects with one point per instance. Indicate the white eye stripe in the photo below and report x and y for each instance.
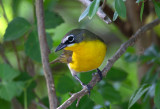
(71, 39)
(66, 38)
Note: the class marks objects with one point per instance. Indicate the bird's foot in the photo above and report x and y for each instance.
(88, 87)
(99, 73)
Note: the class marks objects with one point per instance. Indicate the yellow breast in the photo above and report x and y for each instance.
(87, 55)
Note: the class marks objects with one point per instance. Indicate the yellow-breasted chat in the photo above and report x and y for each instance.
(83, 51)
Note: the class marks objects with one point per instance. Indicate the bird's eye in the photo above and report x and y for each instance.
(70, 38)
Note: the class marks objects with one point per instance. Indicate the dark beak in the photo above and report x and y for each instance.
(60, 46)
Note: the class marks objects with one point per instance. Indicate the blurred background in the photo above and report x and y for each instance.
(22, 82)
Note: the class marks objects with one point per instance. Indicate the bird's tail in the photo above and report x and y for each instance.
(55, 61)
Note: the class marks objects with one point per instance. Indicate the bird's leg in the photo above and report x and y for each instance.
(76, 77)
(99, 73)
(82, 84)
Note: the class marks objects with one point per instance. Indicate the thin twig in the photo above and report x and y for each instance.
(124, 27)
(110, 62)
(103, 4)
(78, 100)
(17, 55)
(2, 50)
(100, 12)
(2, 53)
(44, 54)
(40, 104)
(4, 12)
(13, 43)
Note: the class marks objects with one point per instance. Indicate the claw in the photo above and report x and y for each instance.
(100, 74)
(88, 88)
(82, 84)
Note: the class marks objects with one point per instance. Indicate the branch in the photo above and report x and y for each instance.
(13, 42)
(110, 62)
(44, 54)
(2, 53)
(105, 10)
(100, 12)
(17, 55)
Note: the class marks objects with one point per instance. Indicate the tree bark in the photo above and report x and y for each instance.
(44, 54)
(133, 14)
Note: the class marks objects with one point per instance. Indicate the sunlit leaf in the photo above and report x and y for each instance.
(115, 16)
(120, 8)
(142, 9)
(84, 14)
(16, 28)
(137, 95)
(93, 8)
(157, 95)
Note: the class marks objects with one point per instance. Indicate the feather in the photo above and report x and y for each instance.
(65, 57)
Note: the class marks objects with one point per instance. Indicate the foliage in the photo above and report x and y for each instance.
(22, 79)
(150, 80)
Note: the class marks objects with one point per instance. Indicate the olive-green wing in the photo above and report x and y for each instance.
(65, 57)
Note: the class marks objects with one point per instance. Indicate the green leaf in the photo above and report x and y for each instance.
(85, 103)
(5, 104)
(86, 77)
(65, 84)
(110, 94)
(52, 19)
(120, 8)
(116, 74)
(142, 9)
(93, 8)
(150, 75)
(97, 97)
(130, 57)
(115, 16)
(29, 92)
(32, 48)
(151, 54)
(85, 13)
(157, 95)
(157, 8)
(41, 88)
(8, 90)
(137, 95)
(16, 28)
(49, 41)
(7, 73)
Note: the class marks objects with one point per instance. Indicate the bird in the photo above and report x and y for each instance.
(83, 51)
